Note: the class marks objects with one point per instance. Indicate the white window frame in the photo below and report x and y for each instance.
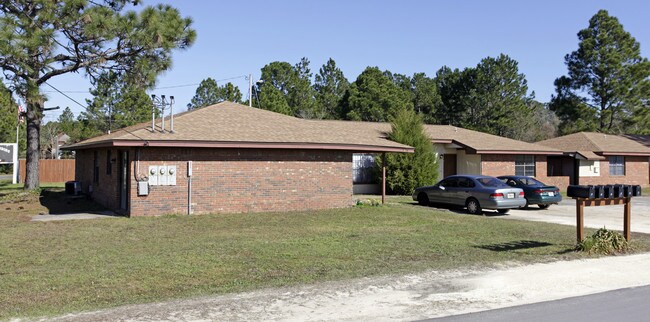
(363, 165)
(525, 165)
(616, 165)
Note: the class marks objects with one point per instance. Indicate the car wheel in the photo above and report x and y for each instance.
(503, 211)
(473, 207)
(423, 199)
(543, 206)
(527, 204)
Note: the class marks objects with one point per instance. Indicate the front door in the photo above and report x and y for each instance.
(449, 165)
(124, 180)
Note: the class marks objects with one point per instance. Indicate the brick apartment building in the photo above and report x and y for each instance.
(232, 158)
(597, 158)
(225, 158)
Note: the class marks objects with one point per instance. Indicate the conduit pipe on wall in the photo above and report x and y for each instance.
(189, 187)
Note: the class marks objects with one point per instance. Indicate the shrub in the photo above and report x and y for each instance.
(407, 171)
(605, 242)
(368, 203)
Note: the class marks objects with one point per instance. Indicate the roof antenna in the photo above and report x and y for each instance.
(153, 112)
(171, 114)
(161, 103)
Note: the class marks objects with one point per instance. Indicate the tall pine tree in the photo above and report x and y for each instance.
(607, 75)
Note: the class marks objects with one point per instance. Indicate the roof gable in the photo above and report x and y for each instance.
(605, 144)
(484, 143)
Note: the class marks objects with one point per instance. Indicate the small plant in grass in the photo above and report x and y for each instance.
(368, 203)
(604, 241)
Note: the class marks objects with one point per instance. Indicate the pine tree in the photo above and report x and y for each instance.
(407, 171)
(606, 75)
(45, 39)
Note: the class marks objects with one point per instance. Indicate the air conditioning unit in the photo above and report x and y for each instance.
(73, 188)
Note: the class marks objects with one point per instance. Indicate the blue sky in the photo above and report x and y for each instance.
(237, 38)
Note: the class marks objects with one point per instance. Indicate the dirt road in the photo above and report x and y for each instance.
(410, 297)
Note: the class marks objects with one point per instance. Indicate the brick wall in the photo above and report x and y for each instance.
(504, 164)
(245, 180)
(106, 189)
(636, 173)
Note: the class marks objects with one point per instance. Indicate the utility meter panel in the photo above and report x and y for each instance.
(163, 175)
(171, 175)
(153, 175)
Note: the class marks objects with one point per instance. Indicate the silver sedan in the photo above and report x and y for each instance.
(475, 192)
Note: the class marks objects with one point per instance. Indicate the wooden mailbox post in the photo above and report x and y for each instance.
(581, 203)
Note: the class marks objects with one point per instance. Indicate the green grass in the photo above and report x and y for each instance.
(51, 268)
(6, 185)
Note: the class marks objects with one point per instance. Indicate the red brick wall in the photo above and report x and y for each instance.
(497, 164)
(245, 180)
(504, 164)
(105, 190)
(636, 170)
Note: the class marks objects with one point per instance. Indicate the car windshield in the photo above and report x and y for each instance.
(491, 182)
(529, 182)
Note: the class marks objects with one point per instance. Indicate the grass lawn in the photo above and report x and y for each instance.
(51, 268)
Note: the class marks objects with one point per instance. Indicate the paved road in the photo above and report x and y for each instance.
(5, 177)
(630, 304)
(595, 217)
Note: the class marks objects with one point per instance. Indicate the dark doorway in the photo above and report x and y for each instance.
(449, 165)
(124, 180)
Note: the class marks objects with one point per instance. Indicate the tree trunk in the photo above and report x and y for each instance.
(34, 116)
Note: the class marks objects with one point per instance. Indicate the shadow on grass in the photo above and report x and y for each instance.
(58, 202)
(516, 245)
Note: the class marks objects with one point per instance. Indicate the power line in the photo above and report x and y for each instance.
(157, 88)
(64, 94)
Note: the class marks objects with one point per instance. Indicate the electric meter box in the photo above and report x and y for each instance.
(143, 188)
(162, 175)
(153, 175)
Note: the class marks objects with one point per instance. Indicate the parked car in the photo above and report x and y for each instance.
(535, 191)
(475, 192)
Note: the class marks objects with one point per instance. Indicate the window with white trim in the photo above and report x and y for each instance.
(525, 165)
(363, 167)
(617, 165)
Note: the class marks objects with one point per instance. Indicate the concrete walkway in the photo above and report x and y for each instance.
(80, 215)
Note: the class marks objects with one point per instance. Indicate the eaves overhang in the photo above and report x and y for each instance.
(240, 145)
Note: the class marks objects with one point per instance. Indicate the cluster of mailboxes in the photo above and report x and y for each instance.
(604, 191)
(162, 175)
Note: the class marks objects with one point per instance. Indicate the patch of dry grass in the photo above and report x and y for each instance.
(51, 268)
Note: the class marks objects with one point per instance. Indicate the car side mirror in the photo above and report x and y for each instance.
(441, 187)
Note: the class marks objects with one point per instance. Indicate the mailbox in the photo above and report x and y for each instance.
(599, 192)
(618, 191)
(581, 192)
(628, 191)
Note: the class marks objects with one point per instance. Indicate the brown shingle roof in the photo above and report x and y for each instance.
(600, 143)
(483, 143)
(643, 139)
(233, 125)
(477, 142)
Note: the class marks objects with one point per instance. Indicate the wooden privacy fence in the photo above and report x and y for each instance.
(52, 170)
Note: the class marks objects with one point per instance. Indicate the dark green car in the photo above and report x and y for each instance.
(535, 192)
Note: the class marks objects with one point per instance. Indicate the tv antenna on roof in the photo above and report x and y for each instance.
(160, 103)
